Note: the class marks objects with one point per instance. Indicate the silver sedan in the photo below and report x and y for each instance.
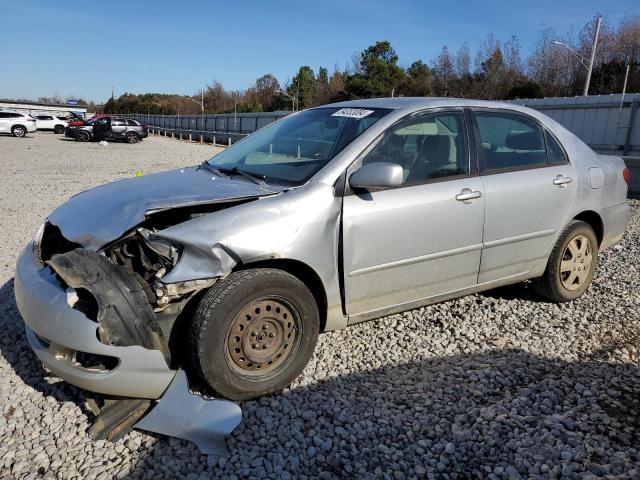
(326, 218)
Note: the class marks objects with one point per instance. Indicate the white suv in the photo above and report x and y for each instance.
(50, 122)
(17, 124)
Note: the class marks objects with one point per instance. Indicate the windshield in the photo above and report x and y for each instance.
(292, 150)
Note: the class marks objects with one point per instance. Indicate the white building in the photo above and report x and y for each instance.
(33, 108)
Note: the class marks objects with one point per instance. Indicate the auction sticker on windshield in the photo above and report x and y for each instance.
(352, 113)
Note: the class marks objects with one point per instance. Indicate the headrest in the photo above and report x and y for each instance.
(437, 148)
(524, 141)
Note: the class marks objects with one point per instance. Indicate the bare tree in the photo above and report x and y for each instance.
(445, 75)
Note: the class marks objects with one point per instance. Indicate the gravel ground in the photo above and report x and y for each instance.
(496, 385)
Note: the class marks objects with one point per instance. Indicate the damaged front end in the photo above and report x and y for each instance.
(103, 321)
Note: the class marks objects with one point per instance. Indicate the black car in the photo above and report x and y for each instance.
(109, 128)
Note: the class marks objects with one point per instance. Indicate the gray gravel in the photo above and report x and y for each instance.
(497, 385)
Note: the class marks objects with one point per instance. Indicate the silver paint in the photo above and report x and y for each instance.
(180, 413)
(102, 214)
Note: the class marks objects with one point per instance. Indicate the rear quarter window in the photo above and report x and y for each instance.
(555, 153)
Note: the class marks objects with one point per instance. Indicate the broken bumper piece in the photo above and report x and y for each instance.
(182, 414)
(67, 341)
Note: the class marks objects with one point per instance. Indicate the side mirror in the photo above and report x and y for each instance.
(377, 175)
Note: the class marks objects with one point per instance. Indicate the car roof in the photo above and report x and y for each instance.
(420, 103)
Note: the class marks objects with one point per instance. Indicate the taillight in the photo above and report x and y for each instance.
(626, 175)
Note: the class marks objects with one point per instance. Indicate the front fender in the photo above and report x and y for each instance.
(301, 224)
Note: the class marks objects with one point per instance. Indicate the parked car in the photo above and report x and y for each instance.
(50, 122)
(16, 124)
(323, 219)
(109, 128)
(78, 122)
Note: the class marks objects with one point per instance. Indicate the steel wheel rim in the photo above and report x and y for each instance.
(576, 261)
(262, 337)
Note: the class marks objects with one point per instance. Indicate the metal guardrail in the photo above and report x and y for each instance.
(225, 128)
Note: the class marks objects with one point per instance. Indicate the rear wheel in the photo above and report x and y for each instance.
(83, 136)
(571, 265)
(18, 131)
(132, 137)
(253, 333)
(58, 129)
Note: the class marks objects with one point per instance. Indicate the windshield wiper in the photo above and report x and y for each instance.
(207, 166)
(254, 177)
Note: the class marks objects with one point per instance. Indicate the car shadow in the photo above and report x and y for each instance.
(431, 416)
(522, 290)
(481, 414)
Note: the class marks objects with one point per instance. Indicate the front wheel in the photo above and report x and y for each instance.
(253, 333)
(571, 265)
(58, 129)
(83, 136)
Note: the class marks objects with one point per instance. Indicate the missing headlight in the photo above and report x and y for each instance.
(148, 258)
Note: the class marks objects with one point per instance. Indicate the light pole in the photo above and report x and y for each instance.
(201, 103)
(293, 99)
(583, 61)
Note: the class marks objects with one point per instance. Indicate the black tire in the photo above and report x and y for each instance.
(132, 137)
(554, 281)
(82, 136)
(222, 333)
(58, 129)
(19, 131)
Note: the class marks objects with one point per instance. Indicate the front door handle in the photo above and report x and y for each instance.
(467, 195)
(562, 181)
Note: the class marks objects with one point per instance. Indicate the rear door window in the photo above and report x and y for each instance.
(510, 142)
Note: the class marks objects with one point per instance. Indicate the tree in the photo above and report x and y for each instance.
(304, 87)
(550, 64)
(263, 94)
(445, 75)
(377, 73)
(418, 81)
(462, 62)
(337, 85)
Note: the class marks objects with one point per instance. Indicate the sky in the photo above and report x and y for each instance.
(84, 48)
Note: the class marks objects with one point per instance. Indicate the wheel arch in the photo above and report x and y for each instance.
(594, 220)
(302, 272)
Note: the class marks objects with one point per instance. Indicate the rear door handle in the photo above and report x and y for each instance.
(467, 195)
(562, 181)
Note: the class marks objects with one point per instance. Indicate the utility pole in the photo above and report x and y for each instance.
(202, 107)
(593, 55)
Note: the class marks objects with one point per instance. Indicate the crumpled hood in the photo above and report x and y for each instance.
(103, 214)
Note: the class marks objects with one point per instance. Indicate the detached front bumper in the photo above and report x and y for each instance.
(60, 334)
